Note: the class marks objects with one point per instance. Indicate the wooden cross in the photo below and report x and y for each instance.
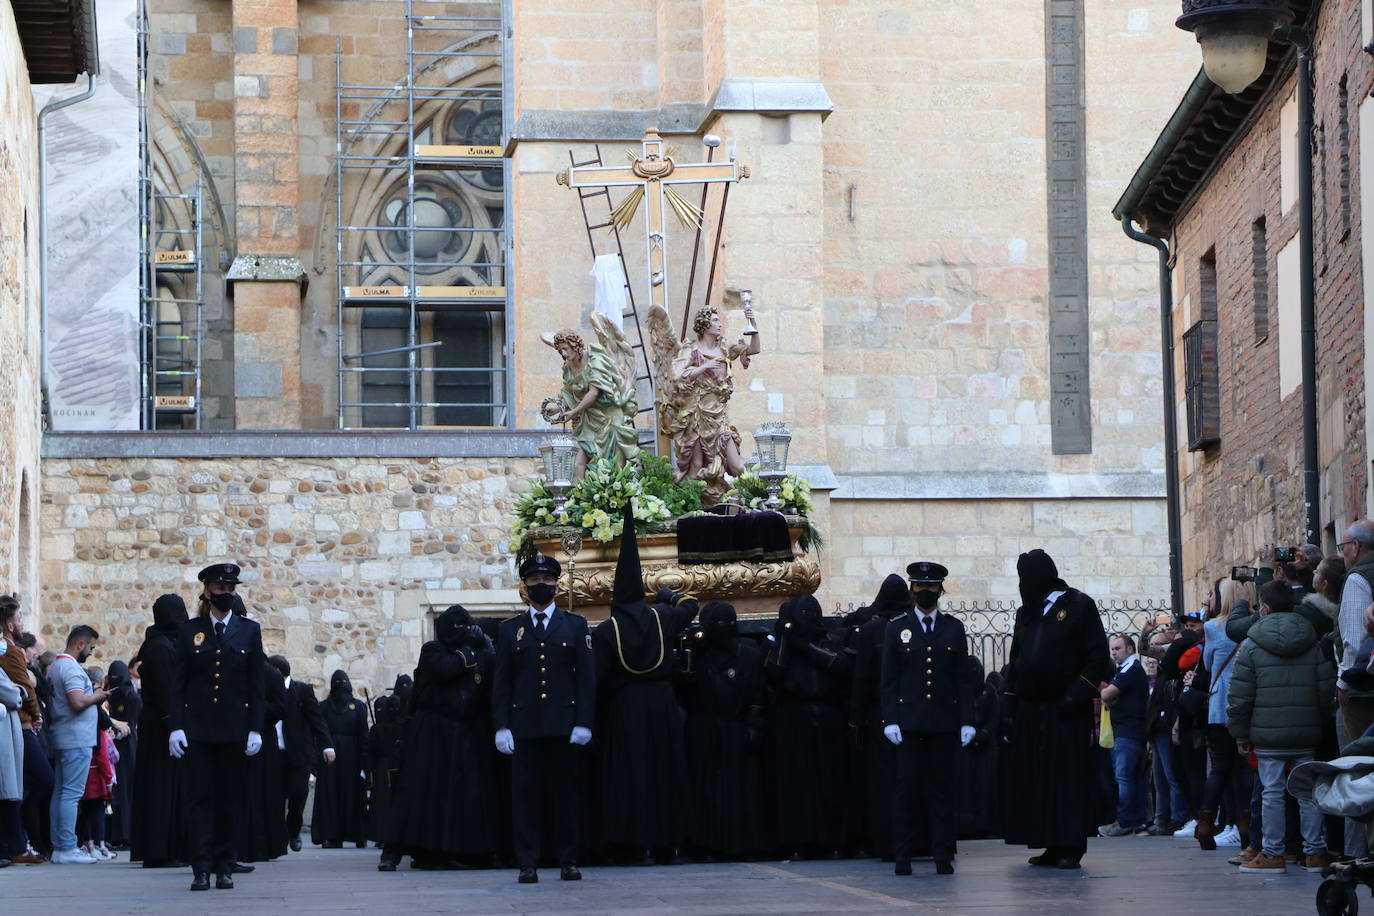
(653, 174)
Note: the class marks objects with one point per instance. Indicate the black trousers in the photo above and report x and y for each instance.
(297, 788)
(923, 794)
(215, 773)
(545, 788)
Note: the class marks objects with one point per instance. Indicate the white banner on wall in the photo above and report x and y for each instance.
(92, 243)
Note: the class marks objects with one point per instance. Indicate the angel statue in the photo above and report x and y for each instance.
(694, 388)
(598, 395)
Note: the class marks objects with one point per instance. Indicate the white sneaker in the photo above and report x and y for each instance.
(104, 852)
(1228, 837)
(71, 856)
(1186, 830)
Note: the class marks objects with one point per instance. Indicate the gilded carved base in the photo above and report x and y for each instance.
(755, 589)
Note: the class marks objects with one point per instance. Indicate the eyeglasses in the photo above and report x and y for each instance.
(1344, 544)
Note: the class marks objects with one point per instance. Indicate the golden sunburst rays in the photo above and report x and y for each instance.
(688, 213)
(625, 212)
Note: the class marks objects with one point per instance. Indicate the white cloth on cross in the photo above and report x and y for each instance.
(611, 297)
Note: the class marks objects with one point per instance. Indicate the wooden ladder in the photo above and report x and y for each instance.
(644, 379)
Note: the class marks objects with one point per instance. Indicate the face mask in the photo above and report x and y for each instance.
(541, 593)
(223, 603)
(926, 597)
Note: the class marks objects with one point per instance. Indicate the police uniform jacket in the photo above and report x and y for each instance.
(925, 687)
(217, 690)
(544, 688)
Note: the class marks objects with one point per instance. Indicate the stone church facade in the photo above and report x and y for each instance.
(956, 331)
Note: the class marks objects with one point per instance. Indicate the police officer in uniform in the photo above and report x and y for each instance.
(216, 719)
(927, 708)
(543, 706)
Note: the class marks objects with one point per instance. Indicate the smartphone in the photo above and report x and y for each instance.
(1243, 573)
(1285, 554)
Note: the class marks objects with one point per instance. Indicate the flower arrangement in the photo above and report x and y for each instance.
(596, 503)
(750, 490)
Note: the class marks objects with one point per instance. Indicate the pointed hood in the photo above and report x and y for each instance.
(169, 613)
(627, 596)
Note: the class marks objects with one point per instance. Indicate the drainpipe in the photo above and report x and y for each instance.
(1166, 349)
(43, 236)
(1307, 302)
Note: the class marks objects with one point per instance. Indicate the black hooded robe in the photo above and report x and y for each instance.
(809, 675)
(262, 818)
(126, 706)
(444, 809)
(381, 752)
(873, 759)
(340, 814)
(1057, 660)
(643, 760)
(157, 826)
(723, 696)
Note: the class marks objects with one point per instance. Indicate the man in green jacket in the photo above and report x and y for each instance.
(1281, 689)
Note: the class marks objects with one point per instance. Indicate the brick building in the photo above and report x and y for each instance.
(954, 328)
(1221, 185)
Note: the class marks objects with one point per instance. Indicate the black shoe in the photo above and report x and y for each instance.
(647, 859)
(296, 843)
(528, 876)
(570, 873)
(329, 844)
(386, 865)
(944, 868)
(1067, 863)
(240, 869)
(200, 882)
(1046, 859)
(224, 882)
(902, 867)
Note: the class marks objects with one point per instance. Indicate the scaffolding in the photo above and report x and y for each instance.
(171, 280)
(424, 319)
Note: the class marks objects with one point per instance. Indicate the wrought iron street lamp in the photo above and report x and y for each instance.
(1234, 36)
(772, 442)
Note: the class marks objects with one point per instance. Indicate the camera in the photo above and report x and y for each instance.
(1243, 573)
(1285, 554)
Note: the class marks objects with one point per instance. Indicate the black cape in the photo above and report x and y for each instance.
(443, 806)
(340, 806)
(723, 696)
(809, 673)
(262, 821)
(1056, 663)
(158, 828)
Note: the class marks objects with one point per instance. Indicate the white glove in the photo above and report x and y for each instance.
(176, 743)
(505, 742)
(893, 733)
(965, 735)
(254, 744)
(580, 736)
(281, 738)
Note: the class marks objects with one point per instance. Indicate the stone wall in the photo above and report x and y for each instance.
(1109, 548)
(342, 558)
(19, 320)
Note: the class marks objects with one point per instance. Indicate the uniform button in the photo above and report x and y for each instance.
(216, 675)
(927, 696)
(930, 671)
(217, 653)
(543, 696)
(215, 700)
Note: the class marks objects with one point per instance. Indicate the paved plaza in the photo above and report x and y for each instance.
(1131, 875)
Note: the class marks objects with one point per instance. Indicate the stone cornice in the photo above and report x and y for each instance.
(999, 485)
